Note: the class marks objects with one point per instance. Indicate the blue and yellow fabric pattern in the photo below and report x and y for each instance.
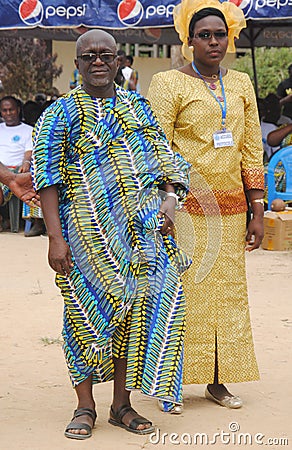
(124, 296)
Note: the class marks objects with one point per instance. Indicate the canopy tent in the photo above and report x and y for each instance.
(269, 22)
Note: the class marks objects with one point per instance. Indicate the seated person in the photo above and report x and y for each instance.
(281, 137)
(270, 115)
(15, 153)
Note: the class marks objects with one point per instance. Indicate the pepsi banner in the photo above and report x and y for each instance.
(116, 14)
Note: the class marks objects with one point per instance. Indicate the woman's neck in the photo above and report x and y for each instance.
(207, 71)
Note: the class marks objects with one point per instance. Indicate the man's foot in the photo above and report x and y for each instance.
(82, 423)
(219, 394)
(126, 417)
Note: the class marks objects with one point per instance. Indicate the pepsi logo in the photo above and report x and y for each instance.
(245, 5)
(31, 12)
(130, 12)
(152, 34)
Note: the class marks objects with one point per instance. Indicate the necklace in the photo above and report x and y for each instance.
(213, 77)
(212, 84)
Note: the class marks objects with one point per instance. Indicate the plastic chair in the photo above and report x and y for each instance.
(285, 156)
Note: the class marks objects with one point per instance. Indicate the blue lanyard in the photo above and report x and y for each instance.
(222, 107)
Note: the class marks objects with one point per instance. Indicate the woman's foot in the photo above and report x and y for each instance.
(219, 394)
(169, 407)
(82, 423)
(126, 417)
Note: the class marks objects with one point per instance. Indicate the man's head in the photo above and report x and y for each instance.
(129, 60)
(10, 110)
(96, 60)
(290, 70)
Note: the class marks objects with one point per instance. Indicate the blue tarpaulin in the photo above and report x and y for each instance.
(117, 14)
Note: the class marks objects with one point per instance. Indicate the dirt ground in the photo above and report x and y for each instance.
(36, 398)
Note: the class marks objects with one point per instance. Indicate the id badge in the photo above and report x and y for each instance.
(223, 138)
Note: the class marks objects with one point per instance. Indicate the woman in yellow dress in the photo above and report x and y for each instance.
(209, 115)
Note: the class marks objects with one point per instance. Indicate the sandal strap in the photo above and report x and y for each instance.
(85, 412)
(123, 410)
(139, 421)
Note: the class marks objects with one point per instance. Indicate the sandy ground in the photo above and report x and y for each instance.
(36, 398)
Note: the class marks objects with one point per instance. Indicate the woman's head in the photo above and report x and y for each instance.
(202, 14)
(189, 14)
(208, 36)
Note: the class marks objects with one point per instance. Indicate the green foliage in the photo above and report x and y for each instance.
(271, 66)
(26, 67)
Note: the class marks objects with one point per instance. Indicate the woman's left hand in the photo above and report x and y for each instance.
(167, 210)
(255, 229)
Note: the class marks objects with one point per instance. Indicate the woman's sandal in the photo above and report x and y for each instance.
(79, 425)
(116, 418)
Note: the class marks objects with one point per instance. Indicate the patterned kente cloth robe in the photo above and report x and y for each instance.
(124, 295)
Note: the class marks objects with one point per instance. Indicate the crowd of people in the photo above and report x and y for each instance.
(145, 204)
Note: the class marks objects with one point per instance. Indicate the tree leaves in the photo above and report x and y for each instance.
(27, 67)
(271, 65)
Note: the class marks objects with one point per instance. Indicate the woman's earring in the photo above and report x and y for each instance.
(191, 47)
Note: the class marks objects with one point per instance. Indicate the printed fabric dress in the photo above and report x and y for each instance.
(212, 225)
(124, 296)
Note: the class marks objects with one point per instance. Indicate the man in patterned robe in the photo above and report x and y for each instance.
(109, 183)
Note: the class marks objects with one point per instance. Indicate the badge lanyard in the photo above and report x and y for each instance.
(223, 137)
(222, 107)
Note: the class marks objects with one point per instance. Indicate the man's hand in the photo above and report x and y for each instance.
(60, 258)
(21, 186)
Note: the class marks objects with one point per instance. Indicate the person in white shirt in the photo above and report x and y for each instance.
(16, 137)
(271, 114)
(128, 81)
(15, 152)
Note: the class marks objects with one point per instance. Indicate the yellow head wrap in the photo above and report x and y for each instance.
(185, 10)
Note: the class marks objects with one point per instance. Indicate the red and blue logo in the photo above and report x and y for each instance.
(245, 5)
(130, 12)
(31, 12)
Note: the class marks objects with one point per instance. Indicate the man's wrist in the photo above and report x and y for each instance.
(8, 178)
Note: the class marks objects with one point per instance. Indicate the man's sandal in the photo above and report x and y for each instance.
(80, 425)
(116, 418)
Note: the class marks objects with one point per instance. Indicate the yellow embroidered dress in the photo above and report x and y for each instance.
(212, 225)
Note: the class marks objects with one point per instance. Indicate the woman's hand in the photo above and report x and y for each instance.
(255, 229)
(59, 256)
(167, 210)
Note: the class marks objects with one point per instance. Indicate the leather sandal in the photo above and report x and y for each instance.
(116, 418)
(79, 425)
